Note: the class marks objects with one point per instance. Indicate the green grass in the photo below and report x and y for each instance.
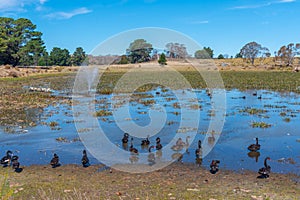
(243, 80)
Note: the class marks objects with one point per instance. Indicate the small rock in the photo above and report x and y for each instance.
(193, 189)
(67, 191)
(253, 197)
(118, 193)
(244, 190)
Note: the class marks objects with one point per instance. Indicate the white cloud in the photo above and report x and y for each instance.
(68, 15)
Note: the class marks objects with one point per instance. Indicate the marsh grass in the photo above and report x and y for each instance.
(103, 113)
(6, 191)
(260, 125)
(253, 111)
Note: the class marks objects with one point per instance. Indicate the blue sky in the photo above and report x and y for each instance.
(225, 26)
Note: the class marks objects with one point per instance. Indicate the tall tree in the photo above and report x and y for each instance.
(139, 51)
(60, 57)
(32, 52)
(176, 50)
(252, 50)
(287, 53)
(14, 38)
(78, 56)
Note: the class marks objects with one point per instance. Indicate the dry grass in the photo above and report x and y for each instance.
(178, 181)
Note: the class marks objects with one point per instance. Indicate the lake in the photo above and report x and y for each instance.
(244, 110)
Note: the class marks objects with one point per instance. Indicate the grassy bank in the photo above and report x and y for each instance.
(270, 80)
(178, 181)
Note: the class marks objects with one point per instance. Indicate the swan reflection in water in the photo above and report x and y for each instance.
(254, 154)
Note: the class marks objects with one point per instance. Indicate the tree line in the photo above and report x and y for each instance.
(142, 51)
(21, 44)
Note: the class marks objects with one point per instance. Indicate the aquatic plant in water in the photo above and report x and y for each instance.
(260, 125)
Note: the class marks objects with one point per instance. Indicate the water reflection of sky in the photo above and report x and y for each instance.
(279, 141)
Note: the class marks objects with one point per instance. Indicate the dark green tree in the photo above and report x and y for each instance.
(15, 38)
(44, 60)
(220, 56)
(32, 52)
(139, 51)
(162, 59)
(60, 57)
(238, 55)
(78, 56)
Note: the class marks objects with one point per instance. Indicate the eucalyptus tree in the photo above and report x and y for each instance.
(139, 51)
(252, 50)
(287, 53)
(176, 50)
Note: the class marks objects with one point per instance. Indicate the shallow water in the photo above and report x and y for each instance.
(280, 141)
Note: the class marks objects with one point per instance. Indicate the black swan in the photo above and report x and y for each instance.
(198, 151)
(85, 160)
(6, 160)
(132, 149)
(145, 142)
(55, 161)
(254, 147)
(266, 170)
(158, 144)
(125, 138)
(16, 164)
(214, 166)
(158, 140)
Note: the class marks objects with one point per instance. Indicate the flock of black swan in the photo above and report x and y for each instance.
(12, 160)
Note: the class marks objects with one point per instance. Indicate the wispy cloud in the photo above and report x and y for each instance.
(18, 5)
(199, 22)
(286, 1)
(11, 5)
(43, 1)
(68, 15)
(250, 6)
(260, 5)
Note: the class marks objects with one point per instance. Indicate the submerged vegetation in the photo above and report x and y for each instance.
(260, 125)
(22, 107)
